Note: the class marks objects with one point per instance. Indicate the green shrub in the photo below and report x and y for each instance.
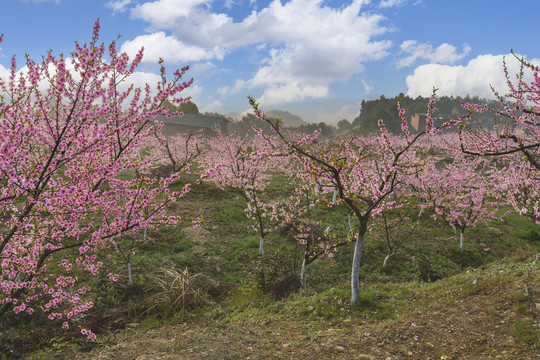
(425, 271)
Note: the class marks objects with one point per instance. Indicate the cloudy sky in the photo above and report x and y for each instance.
(315, 58)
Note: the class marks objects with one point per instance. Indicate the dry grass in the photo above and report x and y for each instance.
(178, 290)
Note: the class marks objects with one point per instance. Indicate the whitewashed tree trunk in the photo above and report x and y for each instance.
(355, 274)
(130, 281)
(303, 274)
(422, 209)
(261, 246)
(385, 262)
(461, 240)
(334, 199)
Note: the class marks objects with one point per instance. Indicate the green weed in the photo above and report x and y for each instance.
(525, 332)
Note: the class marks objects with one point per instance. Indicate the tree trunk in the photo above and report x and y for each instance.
(421, 209)
(385, 262)
(303, 274)
(261, 244)
(130, 282)
(8, 305)
(355, 274)
(461, 240)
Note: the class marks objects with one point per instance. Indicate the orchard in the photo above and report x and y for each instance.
(91, 189)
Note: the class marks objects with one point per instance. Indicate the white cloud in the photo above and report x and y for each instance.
(117, 6)
(367, 87)
(348, 112)
(4, 72)
(194, 91)
(230, 3)
(292, 91)
(164, 13)
(214, 106)
(395, 3)
(171, 49)
(309, 45)
(239, 85)
(43, 84)
(322, 46)
(391, 3)
(472, 79)
(138, 79)
(202, 69)
(443, 54)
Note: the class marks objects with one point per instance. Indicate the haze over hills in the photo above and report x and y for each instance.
(288, 119)
(370, 111)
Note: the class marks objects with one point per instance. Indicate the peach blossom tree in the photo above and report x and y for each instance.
(69, 132)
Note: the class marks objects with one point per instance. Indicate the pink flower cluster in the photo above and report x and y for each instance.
(68, 130)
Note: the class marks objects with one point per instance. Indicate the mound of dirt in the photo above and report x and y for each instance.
(198, 235)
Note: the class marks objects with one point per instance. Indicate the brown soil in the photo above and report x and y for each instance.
(481, 326)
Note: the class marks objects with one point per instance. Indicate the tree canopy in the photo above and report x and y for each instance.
(447, 107)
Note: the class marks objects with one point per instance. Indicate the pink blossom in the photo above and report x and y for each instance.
(78, 200)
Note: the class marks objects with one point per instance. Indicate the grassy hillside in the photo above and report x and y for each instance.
(206, 293)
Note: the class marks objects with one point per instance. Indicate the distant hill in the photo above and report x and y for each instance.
(288, 119)
(233, 116)
(242, 123)
(384, 108)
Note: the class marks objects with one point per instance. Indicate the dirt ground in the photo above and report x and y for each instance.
(481, 326)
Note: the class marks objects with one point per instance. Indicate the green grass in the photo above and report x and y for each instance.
(379, 301)
(388, 294)
(526, 332)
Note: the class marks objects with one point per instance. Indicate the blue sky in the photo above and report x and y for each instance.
(315, 58)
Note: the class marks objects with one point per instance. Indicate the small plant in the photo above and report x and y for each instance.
(274, 267)
(492, 314)
(151, 323)
(447, 357)
(425, 271)
(178, 290)
(525, 332)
